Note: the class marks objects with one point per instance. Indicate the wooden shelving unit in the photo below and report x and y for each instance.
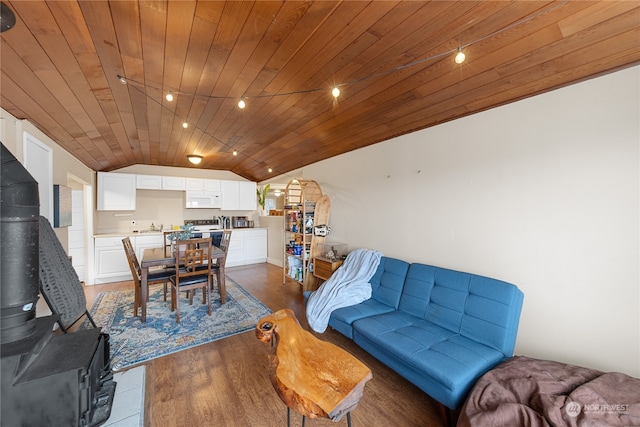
(300, 201)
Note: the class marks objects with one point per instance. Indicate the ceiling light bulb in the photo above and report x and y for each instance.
(235, 153)
(169, 97)
(185, 125)
(270, 170)
(194, 158)
(460, 56)
(122, 79)
(241, 103)
(335, 92)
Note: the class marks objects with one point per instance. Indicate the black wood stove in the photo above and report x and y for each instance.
(47, 378)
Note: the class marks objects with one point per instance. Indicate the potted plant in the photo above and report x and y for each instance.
(185, 233)
(262, 196)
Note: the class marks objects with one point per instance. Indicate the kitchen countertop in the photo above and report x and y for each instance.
(156, 233)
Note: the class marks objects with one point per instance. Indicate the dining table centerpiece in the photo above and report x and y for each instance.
(185, 232)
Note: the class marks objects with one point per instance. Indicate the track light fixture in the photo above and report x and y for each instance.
(335, 92)
(241, 103)
(122, 79)
(169, 97)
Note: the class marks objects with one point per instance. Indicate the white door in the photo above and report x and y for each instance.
(77, 249)
(38, 160)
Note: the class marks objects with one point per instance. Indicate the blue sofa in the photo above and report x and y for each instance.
(440, 329)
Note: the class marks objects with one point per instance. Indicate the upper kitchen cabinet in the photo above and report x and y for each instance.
(238, 195)
(202, 184)
(116, 191)
(148, 182)
(156, 182)
(173, 183)
(248, 200)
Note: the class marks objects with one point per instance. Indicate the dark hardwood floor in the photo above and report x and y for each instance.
(226, 382)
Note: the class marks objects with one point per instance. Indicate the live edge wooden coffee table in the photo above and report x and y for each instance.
(316, 378)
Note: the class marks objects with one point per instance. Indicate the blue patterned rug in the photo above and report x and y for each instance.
(133, 342)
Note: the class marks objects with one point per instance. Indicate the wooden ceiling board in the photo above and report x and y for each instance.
(393, 60)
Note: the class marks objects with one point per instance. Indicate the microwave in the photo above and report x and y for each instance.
(203, 199)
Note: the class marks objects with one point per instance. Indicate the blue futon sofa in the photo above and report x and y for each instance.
(440, 329)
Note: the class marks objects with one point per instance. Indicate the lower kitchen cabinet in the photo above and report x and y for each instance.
(110, 261)
(247, 246)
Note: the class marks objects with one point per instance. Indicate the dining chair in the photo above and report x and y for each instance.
(193, 257)
(160, 275)
(218, 266)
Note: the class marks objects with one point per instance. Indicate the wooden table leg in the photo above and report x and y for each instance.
(222, 285)
(144, 290)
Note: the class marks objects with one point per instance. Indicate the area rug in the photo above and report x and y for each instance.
(133, 342)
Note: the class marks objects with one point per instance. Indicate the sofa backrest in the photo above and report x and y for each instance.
(492, 313)
(388, 281)
(480, 308)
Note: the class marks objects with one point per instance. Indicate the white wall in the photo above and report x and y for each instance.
(543, 193)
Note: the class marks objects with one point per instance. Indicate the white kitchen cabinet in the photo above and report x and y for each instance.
(211, 185)
(230, 195)
(148, 182)
(146, 241)
(111, 263)
(116, 191)
(235, 253)
(255, 245)
(247, 196)
(194, 184)
(247, 246)
(238, 195)
(202, 184)
(173, 183)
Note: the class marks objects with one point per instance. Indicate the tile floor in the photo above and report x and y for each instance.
(128, 405)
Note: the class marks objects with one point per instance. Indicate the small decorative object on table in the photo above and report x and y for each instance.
(184, 233)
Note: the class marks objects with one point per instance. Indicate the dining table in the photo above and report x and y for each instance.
(156, 257)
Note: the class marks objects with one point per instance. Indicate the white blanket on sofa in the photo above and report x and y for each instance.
(349, 285)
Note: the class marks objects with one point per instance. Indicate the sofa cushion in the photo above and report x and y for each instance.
(442, 363)
(342, 318)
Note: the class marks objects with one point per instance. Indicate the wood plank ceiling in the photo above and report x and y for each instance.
(393, 62)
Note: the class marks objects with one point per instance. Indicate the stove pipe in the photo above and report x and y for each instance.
(19, 258)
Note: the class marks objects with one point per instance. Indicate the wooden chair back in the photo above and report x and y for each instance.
(226, 239)
(134, 265)
(194, 257)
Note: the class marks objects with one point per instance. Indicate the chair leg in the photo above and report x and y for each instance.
(177, 306)
(136, 300)
(222, 289)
